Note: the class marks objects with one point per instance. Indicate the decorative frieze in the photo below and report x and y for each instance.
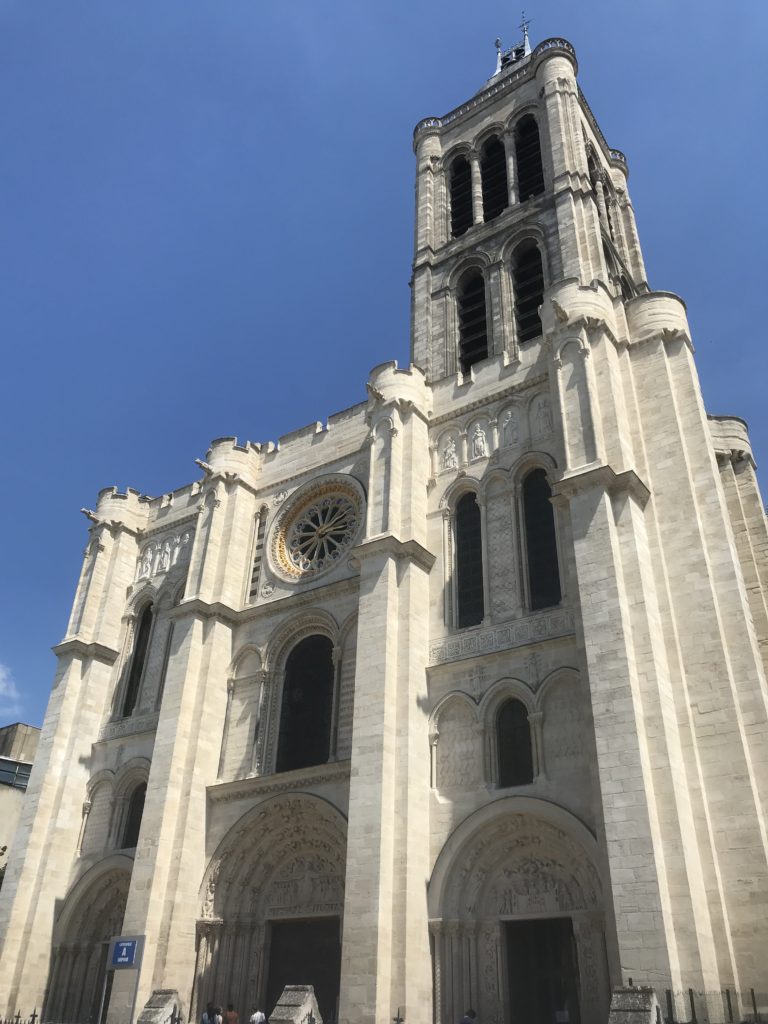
(547, 625)
(162, 553)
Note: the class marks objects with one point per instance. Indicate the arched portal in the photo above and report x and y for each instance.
(272, 903)
(515, 906)
(92, 913)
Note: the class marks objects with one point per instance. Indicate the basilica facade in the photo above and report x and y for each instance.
(455, 700)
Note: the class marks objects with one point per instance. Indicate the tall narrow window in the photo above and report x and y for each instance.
(540, 541)
(307, 708)
(513, 742)
(461, 196)
(493, 171)
(469, 562)
(133, 817)
(530, 172)
(137, 661)
(473, 324)
(528, 285)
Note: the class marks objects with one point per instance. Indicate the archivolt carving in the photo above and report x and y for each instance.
(287, 857)
(519, 864)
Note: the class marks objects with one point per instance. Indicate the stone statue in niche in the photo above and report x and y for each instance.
(450, 458)
(165, 557)
(543, 417)
(145, 568)
(479, 444)
(509, 432)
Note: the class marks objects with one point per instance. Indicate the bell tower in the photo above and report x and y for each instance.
(516, 190)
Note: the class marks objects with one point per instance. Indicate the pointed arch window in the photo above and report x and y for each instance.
(540, 542)
(133, 817)
(530, 171)
(306, 715)
(473, 319)
(528, 285)
(138, 661)
(461, 196)
(513, 743)
(493, 174)
(469, 562)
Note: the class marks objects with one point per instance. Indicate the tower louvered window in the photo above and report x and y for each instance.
(469, 562)
(493, 172)
(137, 661)
(530, 172)
(133, 817)
(461, 196)
(540, 541)
(528, 284)
(513, 741)
(473, 321)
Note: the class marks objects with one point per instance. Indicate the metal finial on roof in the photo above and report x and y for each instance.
(498, 57)
(523, 26)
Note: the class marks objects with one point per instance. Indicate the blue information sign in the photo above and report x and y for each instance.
(124, 953)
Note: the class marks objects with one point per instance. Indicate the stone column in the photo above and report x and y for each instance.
(509, 148)
(486, 563)
(386, 958)
(477, 188)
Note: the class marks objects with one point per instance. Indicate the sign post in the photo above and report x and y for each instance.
(125, 953)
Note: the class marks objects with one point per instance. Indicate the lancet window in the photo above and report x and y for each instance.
(513, 744)
(469, 562)
(473, 319)
(543, 571)
(530, 170)
(528, 286)
(138, 661)
(493, 173)
(306, 715)
(461, 196)
(133, 817)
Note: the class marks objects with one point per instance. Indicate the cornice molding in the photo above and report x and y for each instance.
(389, 545)
(84, 649)
(301, 778)
(604, 478)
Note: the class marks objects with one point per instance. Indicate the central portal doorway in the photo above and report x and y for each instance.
(306, 953)
(543, 972)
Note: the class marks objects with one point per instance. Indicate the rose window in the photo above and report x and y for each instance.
(321, 533)
(318, 529)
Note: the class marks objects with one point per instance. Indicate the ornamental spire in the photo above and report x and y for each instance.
(523, 26)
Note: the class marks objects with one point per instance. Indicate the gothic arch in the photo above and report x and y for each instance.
(285, 859)
(457, 489)
(478, 259)
(496, 130)
(279, 645)
(92, 913)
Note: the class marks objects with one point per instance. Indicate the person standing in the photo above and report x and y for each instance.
(231, 1015)
(258, 1017)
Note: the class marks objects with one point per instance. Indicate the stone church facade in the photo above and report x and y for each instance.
(458, 699)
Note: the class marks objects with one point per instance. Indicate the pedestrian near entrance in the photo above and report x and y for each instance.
(212, 1015)
(231, 1016)
(258, 1017)
(470, 1017)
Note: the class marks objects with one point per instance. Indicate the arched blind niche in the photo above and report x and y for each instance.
(133, 817)
(469, 562)
(473, 322)
(528, 286)
(307, 706)
(461, 196)
(540, 541)
(493, 174)
(530, 172)
(138, 661)
(513, 742)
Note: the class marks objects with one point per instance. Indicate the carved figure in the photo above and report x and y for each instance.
(479, 444)
(450, 458)
(146, 562)
(543, 417)
(509, 431)
(165, 557)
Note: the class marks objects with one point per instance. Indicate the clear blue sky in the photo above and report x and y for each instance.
(206, 222)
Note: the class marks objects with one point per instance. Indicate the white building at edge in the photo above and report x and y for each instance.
(458, 700)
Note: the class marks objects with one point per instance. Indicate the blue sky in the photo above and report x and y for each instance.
(206, 222)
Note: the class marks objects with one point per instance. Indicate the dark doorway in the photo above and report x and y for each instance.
(306, 953)
(543, 972)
